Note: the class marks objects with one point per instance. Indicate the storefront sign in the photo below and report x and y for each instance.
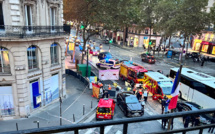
(38, 99)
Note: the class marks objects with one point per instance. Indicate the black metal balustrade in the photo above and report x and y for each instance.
(124, 122)
(10, 32)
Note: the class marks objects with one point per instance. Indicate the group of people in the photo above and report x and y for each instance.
(140, 93)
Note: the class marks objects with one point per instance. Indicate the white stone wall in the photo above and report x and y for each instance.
(14, 12)
(20, 79)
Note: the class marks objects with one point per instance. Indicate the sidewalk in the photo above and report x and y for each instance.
(77, 96)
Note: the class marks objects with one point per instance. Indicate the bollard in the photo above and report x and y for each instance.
(38, 124)
(91, 104)
(17, 127)
(83, 109)
(73, 117)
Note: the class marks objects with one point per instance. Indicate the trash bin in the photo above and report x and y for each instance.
(169, 54)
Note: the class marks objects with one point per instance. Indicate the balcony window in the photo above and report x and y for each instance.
(32, 58)
(28, 17)
(54, 54)
(1, 18)
(146, 31)
(4, 60)
(52, 17)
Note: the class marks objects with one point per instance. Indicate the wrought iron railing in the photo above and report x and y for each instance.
(8, 31)
(124, 122)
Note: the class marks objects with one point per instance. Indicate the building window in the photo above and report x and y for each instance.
(52, 17)
(4, 60)
(32, 57)
(146, 31)
(1, 17)
(54, 54)
(28, 17)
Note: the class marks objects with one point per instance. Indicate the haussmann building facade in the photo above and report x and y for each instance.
(32, 55)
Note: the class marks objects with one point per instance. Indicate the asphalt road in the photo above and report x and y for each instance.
(152, 108)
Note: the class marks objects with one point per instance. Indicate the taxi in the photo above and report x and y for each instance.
(108, 63)
(105, 109)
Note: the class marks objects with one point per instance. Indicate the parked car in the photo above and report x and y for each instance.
(148, 58)
(191, 106)
(113, 64)
(106, 40)
(104, 55)
(129, 104)
(95, 51)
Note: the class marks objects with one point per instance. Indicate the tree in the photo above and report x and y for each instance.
(189, 17)
(147, 16)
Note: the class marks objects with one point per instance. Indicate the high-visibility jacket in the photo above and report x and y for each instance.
(109, 87)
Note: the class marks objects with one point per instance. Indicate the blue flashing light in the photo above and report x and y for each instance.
(106, 59)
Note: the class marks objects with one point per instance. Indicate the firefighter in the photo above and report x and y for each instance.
(109, 87)
(134, 89)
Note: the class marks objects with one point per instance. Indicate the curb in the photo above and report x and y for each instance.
(84, 117)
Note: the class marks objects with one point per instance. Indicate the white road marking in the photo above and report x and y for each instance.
(91, 130)
(90, 118)
(118, 132)
(107, 129)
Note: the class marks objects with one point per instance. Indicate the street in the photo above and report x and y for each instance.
(151, 108)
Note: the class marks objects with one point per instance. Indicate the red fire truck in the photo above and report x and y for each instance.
(132, 72)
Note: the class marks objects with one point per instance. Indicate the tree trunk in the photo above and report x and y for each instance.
(169, 41)
(77, 30)
(124, 36)
(182, 51)
(84, 46)
(149, 37)
(160, 45)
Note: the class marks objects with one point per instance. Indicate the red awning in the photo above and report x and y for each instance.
(205, 43)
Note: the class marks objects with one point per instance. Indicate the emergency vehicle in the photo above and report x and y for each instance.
(132, 72)
(158, 85)
(105, 109)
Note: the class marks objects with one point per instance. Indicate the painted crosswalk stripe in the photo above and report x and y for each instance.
(118, 132)
(107, 129)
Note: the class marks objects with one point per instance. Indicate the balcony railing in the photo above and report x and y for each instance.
(124, 122)
(7, 31)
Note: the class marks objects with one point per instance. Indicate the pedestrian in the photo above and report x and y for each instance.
(186, 121)
(109, 87)
(134, 89)
(162, 105)
(138, 95)
(105, 95)
(172, 123)
(145, 94)
(164, 122)
(197, 120)
(166, 104)
(211, 129)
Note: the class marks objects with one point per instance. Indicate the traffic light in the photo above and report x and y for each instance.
(150, 42)
(82, 26)
(110, 41)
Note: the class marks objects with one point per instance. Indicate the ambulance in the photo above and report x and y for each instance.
(158, 85)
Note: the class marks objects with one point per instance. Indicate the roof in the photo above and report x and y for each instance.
(105, 103)
(128, 64)
(198, 76)
(158, 76)
(139, 68)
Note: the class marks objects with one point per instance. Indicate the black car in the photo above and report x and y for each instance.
(104, 55)
(191, 106)
(129, 104)
(147, 58)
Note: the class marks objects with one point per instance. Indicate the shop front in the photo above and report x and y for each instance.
(211, 49)
(136, 41)
(36, 98)
(197, 45)
(205, 46)
(53, 92)
(146, 41)
(6, 101)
